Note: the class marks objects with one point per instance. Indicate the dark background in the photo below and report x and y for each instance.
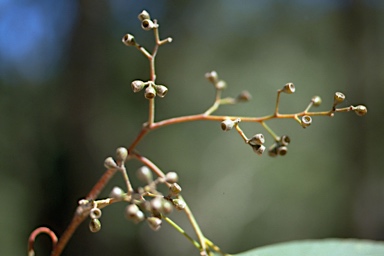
(66, 104)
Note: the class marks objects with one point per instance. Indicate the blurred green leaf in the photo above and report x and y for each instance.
(328, 247)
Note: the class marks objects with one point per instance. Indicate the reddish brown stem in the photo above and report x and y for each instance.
(35, 233)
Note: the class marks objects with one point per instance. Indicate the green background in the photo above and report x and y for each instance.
(67, 104)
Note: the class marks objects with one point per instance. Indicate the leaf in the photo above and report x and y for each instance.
(326, 247)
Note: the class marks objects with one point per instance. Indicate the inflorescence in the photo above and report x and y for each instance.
(146, 202)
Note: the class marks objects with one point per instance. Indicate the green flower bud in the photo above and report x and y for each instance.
(338, 98)
(161, 90)
(144, 174)
(282, 150)
(179, 204)
(316, 100)
(171, 177)
(137, 85)
(306, 121)
(175, 189)
(220, 85)
(150, 92)
(361, 110)
(95, 213)
(289, 88)
(212, 77)
(244, 96)
(285, 140)
(94, 225)
(121, 154)
(116, 193)
(109, 163)
(154, 223)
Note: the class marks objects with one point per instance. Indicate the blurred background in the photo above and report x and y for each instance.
(66, 104)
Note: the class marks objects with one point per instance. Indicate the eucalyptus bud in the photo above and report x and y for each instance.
(150, 92)
(212, 77)
(95, 213)
(306, 121)
(258, 149)
(289, 88)
(144, 15)
(179, 204)
(256, 139)
(244, 96)
(147, 24)
(171, 177)
(161, 90)
(316, 100)
(338, 98)
(144, 174)
(282, 150)
(129, 40)
(175, 189)
(116, 193)
(220, 85)
(121, 154)
(361, 110)
(109, 163)
(137, 85)
(284, 140)
(154, 223)
(94, 225)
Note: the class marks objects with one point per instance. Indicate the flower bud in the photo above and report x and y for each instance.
(228, 124)
(179, 204)
(167, 207)
(282, 150)
(95, 213)
(257, 139)
(133, 212)
(109, 163)
(161, 90)
(150, 92)
(156, 204)
(147, 24)
(316, 100)
(361, 110)
(121, 154)
(220, 85)
(129, 40)
(144, 15)
(285, 140)
(272, 151)
(289, 88)
(154, 223)
(94, 225)
(212, 77)
(137, 85)
(306, 121)
(338, 98)
(175, 189)
(116, 193)
(171, 177)
(244, 96)
(144, 174)
(258, 149)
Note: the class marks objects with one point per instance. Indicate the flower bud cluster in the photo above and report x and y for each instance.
(214, 79)
(151, 205)
(151, 89)
(146, 22)
(279, 148)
